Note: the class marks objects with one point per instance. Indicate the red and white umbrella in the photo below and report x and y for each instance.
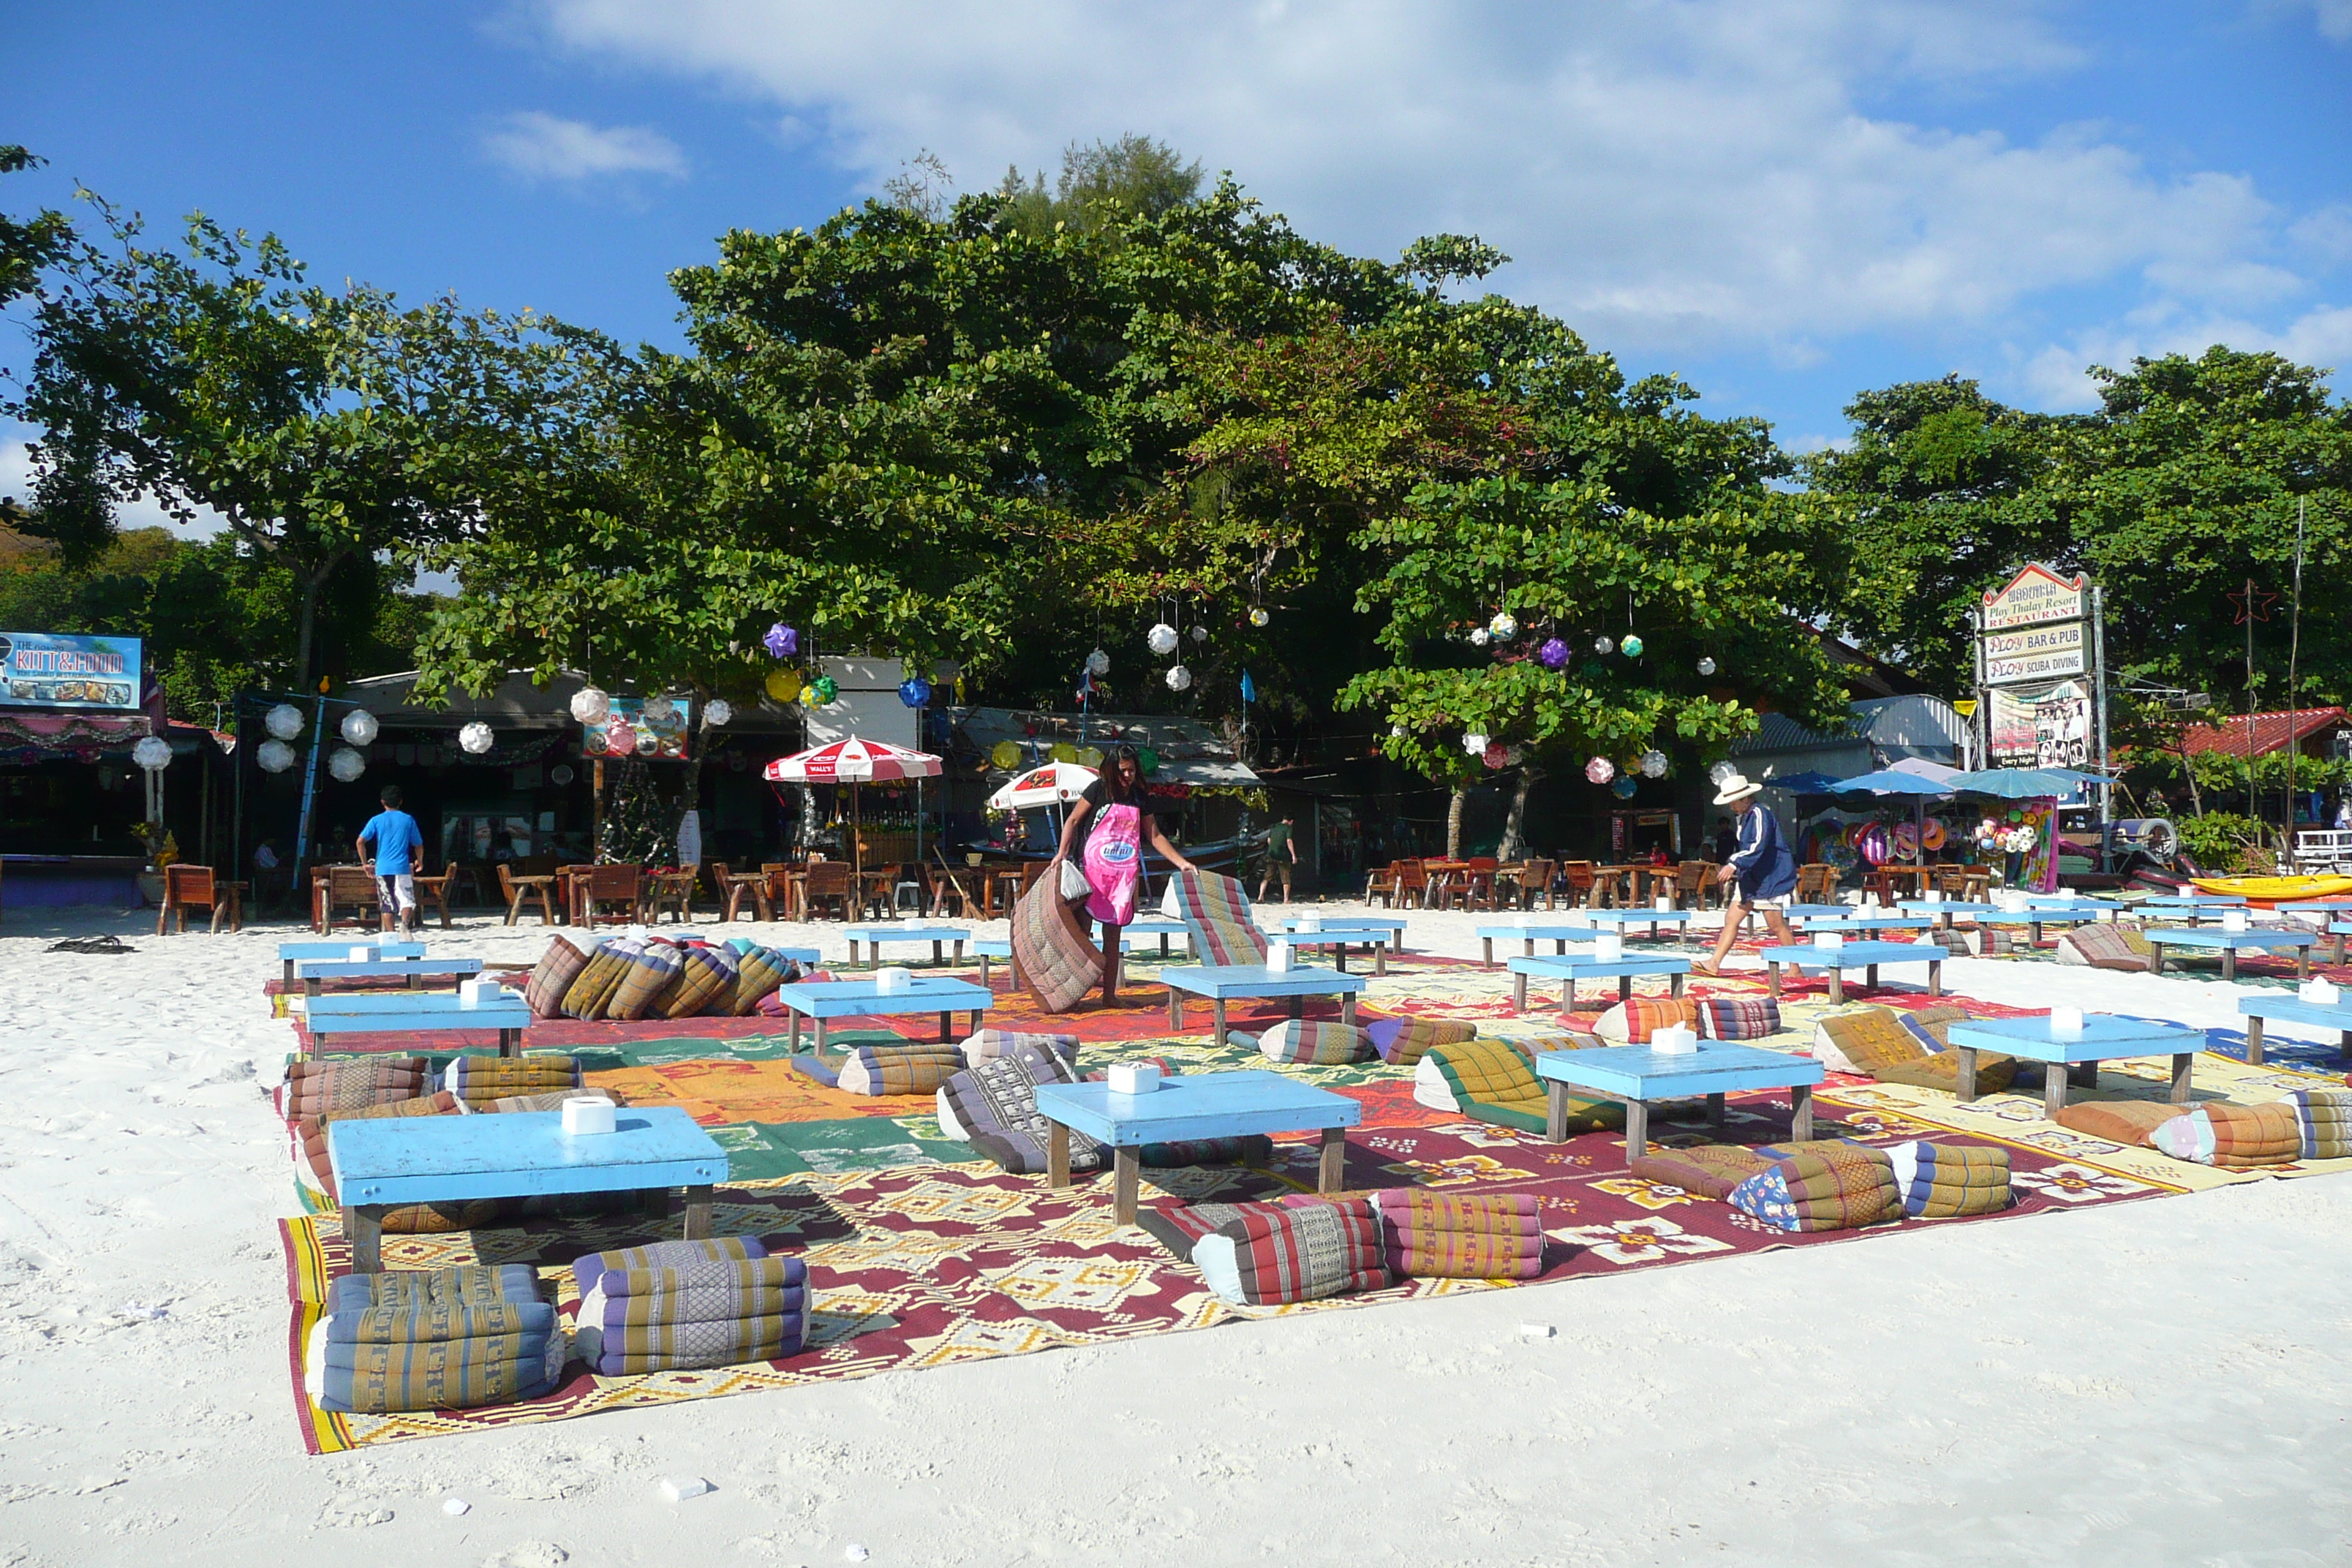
(1056, 784)
(854, 761)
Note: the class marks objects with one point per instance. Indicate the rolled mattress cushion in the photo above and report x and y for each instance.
(2106, 945)
(1403, 1041)
(313, 1154)
(312, 1088)
(757, 972)
(1947, 1181)
(1825, 1187)
(1737, 1017)
(1708, 1170)
(710, 1313)
(585, 998)
(705, 973)
(433, 1339)
(978, 1048)
(1311, 1042)
(1495, 1082)
(993, 1106)
(479, 1080)
(1465, 1235)
(1285, 1254)
(2243, 1137)
(1434, 1089)
(1056, 959)
(652, 968)
(1632, 1021)
(2125, 1122)
(551, 1099)
(909, 1068)
(551, 979)
(588, 1272)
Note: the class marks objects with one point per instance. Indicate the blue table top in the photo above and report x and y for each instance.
(1255, 980)
(411, 1012)
(1157, 928)
(2104, 1036)
(1824, 910)
(1571, 966)
(858, 998)
(2179, 899)
(1345, 922)
(1949, 907)
(1856, 954)
(2315, 906)
(2215, 936)
(440, 1159)
(2293, 1009)
(1873, 922)
(2047, 915)
(1196, 1105)
(1635, 916)
(344, 969)
(1637, 1072)
(906, 933)
(288, 951)
(992, 947)
(1550, 931)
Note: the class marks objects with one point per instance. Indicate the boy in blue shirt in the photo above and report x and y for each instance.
(399, 850)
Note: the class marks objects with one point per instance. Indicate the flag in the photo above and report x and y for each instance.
(1249, 688)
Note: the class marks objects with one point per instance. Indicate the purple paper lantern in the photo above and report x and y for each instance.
(1554, 654)
(782, 641)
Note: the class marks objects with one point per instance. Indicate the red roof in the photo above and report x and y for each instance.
(2270, 731)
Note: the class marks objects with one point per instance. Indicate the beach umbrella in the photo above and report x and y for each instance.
(2017, 784)
(1810, 782)
(1918, 789)
(1056, 784)
(854, 761)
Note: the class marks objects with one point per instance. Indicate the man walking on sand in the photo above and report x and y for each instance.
(399, 849)
(1762, 872)
(1281, 854)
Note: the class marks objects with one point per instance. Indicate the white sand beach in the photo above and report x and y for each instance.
(2162, 1382)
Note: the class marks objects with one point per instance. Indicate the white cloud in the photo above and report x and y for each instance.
(2055, 375)
(2335, 18)
(17, 480)
(542, 147)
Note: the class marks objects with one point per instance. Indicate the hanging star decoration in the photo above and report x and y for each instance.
(2253, 603)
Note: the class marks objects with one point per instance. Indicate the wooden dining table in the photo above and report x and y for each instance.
(1631, 884)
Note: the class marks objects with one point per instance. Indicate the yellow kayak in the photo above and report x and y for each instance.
(2277, 889)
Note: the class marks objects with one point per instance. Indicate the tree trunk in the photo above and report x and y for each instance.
(1515, 826)
(2196, 800)
(1454, 821)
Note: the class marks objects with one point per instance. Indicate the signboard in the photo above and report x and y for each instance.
(53, 669)
(2036, 596)
(865, 706)
(2038, 653)
(2048, 728)
(626, 732)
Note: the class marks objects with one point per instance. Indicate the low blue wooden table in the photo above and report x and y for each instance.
(1945, 911)
(1861, 922)
(2340, 930)
(874, 936)
(1638, 1075)
(1195, 1105)
(859, 999)
(1865, 956)
(2255, 1006)
(2033, 917)
(425, 1012)
(290, 953)
(2228, 943)
(2104, 1037)
(389, 1162)
(1623, 918)
(1560, 933)
(1220, 984)
(1375, 934)
(1572, 968)
(1161, 928)
(312, 971)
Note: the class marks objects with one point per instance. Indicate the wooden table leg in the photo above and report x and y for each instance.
(2228, 964)
(2339, 949)
(940, 956)
(1637, 1130)
(1568, 996)
(1519, 993)
(1673, 986)
(1715, 1104)
(1837, 985)
(1935, 977)
(1488, 944)
(984, 962)
(696, 1225)
(1380, 957)
(1347, 1009)
(2182, 1062)
(363, 1234)
(946, 1027)
(1773, 981)
(1126, 1182)
(1057, 1154)
(2303, 961)
(1330, 1171)
(1555, 1110)
(1340, 953)
(509, 1042)
(2155, 958)
(1624, 988)
(1870, 976)
(793, 1032)
(1964, 1088)
(2053, 1089)
(1295, 1007)
(2254, 1041)
(1175, 1008)
(1801, 1113)
(1217, 1017)
(821, 1027)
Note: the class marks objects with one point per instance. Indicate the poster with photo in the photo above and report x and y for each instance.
(626, 732)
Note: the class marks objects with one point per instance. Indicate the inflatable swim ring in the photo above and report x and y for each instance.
(1934, 834)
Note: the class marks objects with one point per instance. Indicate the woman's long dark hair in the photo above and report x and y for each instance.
(1114, 776)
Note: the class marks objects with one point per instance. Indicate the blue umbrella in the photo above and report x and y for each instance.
(2015, 784)
(1805, 783)
(1891, 781)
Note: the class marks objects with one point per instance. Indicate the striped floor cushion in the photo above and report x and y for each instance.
(1710, 1169)
(897, 1070)
(1945, 1180)
(708, 1312)
(705, 973)
(2233, 1137)
(1311, 1042)
(552, 977)
(1828, 1188)
(1402, 1042)
(552, 1099)
(2125, 1122)
(1216, 912)
(479, 1080)
(653, 970)
(1434, 1235)
(413, 1305)
(1863, 1040)
(313, 1164)
(1495, 1082)
(757, 972)
(993, 1106)
(1941, 1070)
(447, 1339)
(2106, 945)
(988, 1043)
(2324, 1117)
(1058, 960)
(1737, 1017)
(313, 1089)
(1272, 1256)
(1632, 1021)
(585, 998)
(588, 1270)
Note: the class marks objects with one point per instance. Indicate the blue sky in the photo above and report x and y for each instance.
(1784, 201)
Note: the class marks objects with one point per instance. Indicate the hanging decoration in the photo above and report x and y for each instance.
(475, 738)
(1480, 636)
(1200, 632)
(285, 720)
(826, 689)
(1063, 752)
(1653, 765)
(1005, 755)
(1604, 647)
(784, 685)
(1147, 760)
(1258, 616)
(808, 698)
(275, 756)
(1475, 742)
(1179, 677)
(915, 692)
(1623, 788)
(562, 774)
(649, 743)
(718, 714)
(346, 764)
(1503, 625)
(782, 641)
(1720, 772)
(1632, 646)
(1496, 755)
(1600, 770)
(590, 706)
(1098, 664)
(1160, 640)
(152, 753)
(1554, 654)
(1705, 665)
(659, 709)
(360, 726)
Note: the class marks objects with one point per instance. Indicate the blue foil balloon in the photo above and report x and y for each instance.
(915, 692)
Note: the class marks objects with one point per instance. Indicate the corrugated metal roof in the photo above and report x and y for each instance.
(2270, 731)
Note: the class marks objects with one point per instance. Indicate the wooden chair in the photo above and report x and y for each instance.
(566, 894)
(515, 889)
(733, 887)
(1533, 881)
(671, 890)
(616, 889)
(347, 887)
(1412, 883)
(1379, 882)
(877, 890)
(942, 885)
(1693, 878)
(1473, 887)
(1817, 883)
(186, 886)
(436, 891)
(1581, 877)
(829, 882)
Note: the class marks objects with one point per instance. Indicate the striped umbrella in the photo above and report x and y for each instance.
(854, 761)
(1052, 785)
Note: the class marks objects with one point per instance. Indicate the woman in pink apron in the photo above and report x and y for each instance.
(1109, 826)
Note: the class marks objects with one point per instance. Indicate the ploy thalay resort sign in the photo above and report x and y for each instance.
(2034, 629)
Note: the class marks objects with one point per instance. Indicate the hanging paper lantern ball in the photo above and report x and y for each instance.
(1632, 646)
(1090, 756)
(659, 709)
(1147, 760)
(1720, 772)
(1063, 752)
(1098, 664)
(1623, 788)
(1004, 754)
(475, 738)
(1514, 756)
(1604, 645)
(1554, 654)
(1600, 770)
(591, 706)
(1653, 765)
(1875, 845)
(1200, 632)
(1906, 841)
(1179, 677)
(782, 641)
(562, 774)
(719, 713)
(285, 720)
(915, 693)
(783, 685)
(1496, 755)
(346, 763)
(1480, 636)
(826, 689)
(1475, 742)
(1707, 666)
(1396, 731)
(152, 753)
(1258, 617)
(1503, 626)
(808, 697)
(275, 756)
(359, 727)
(1162, 639)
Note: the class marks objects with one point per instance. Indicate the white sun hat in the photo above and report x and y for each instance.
(1736, 786)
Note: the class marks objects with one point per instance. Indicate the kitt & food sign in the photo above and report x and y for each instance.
(52, 669)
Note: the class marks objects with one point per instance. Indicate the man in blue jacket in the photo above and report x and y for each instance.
(1762, 873)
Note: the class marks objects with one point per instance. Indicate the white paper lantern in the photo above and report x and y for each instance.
(1179, 677)
(718, 714)
(1475, 742)
(1707, 666)
(1098, 664)
(346, 764)
(1162, 639)
(659, 709)
(1397, 731)
(152, 753)
(1503, 626)
(275, 756)
(1653, 765)
(1480, 636)
(1514, 756)
(562, 774)
(1259, 617)
(360, 726)
(285, 720)
(1200, 632)
(1600, 770)
(475, 737)
(1720, 772)
(591, 706)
